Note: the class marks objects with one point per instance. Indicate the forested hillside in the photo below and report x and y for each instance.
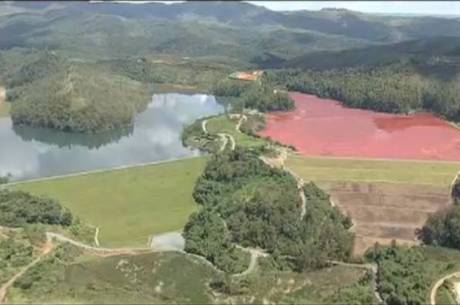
(233, 31)
(245, 202)
(395, 88)
(101, 58)
(442, 49)
(56, 93)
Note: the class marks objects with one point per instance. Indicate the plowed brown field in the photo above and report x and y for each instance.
(383, 212)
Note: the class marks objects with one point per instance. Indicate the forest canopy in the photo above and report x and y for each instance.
(248, 203)
(18, 208)
(396, 88)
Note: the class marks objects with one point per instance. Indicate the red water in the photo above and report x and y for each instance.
(323, 127)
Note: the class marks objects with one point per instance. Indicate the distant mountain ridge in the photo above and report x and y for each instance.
(441, 49)
(240, 33)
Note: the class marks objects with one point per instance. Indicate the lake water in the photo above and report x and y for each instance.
(34, 152)
(324, 127)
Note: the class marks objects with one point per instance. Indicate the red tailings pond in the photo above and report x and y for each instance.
(323, 127)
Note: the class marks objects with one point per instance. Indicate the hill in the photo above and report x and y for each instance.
(53, 92)
(443, 49)
(248, 34)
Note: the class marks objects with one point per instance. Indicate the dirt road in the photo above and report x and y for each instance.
(2, 96)
(48, 247)
(255, 254)
(372, 267)
(439, 284)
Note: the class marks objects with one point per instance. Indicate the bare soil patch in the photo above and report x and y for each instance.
(383, 212)
(2, 95)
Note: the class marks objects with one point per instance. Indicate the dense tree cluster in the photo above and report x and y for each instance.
(395, 88)
(19, 208)
(15, 252)
(258, 95)
(79, 100)
(455, 192)
(251, 204)
(205, 234)
(401, 279)
(442, 228)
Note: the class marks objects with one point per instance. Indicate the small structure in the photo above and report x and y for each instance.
(247, 76)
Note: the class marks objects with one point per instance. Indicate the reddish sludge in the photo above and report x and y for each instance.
(323, 127)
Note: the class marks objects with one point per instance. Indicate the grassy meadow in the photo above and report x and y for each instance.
(396, 171)
(223, 124)
(156, 278)
(171, 278)
(131, 204)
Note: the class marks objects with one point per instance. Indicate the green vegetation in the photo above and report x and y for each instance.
(74, 98)
(194, 136)
(5, 109)
(405, 275)
(346, 286)
(128, 205)
(175, 74)
(224, 124)
(205, 234)
(455, 192)
(442, 228)
(19, 208)
(73, 277)
(249, 203)
(330, 285)
(398, 88)
(258, 95)
(16, 251)
(444, 294)
(335, 169)
(4, 179)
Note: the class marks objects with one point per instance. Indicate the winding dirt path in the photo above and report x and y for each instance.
(47, 248)
(114, 251)
(438, 284)
(243, 118)
(96, 236)
(373, 267)
(223, 138)
(255, 254)
(203, 126)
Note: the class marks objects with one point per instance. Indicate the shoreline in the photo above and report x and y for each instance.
(97, 171)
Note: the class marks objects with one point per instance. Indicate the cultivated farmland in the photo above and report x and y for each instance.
(386, 199)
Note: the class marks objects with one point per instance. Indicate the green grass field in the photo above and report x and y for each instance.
(170, 278)
(5, 109)
(128, 205)
(156, 278)
(412, 172)
(222, 124)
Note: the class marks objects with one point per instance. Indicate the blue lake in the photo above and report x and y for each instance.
(27, 152)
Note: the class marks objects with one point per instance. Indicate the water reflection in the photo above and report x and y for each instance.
(64, 140)
(29, 153)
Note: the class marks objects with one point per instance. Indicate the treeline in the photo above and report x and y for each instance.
(18, 209)
(442, 228)
(397, 88)
(246, 202)
(197, 74)
(254, 95)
